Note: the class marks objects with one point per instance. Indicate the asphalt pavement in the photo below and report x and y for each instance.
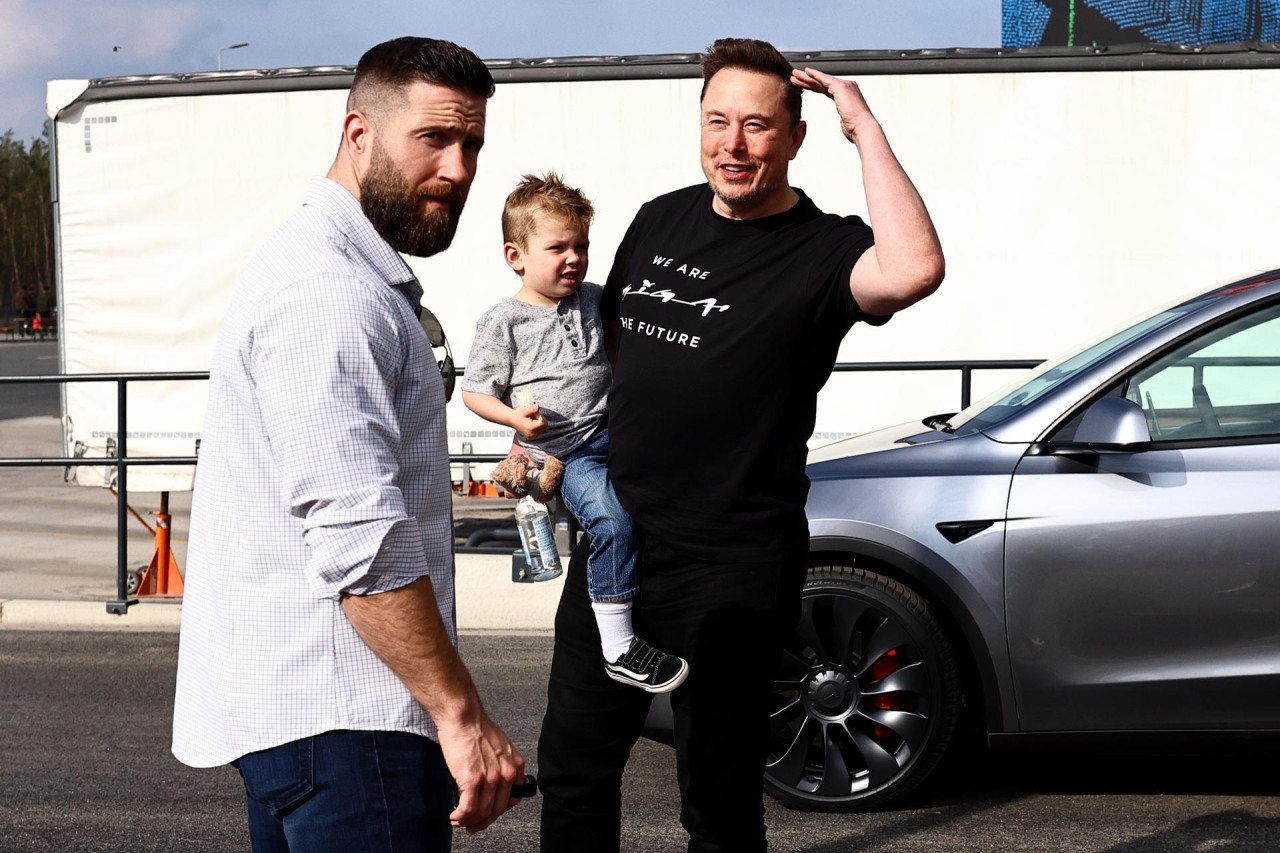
(85, 766)
(28, 358)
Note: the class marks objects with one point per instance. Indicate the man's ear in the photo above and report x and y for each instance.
(357, 139)
(797, 138)
(514, 256)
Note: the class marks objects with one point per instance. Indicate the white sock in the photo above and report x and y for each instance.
(616, 633)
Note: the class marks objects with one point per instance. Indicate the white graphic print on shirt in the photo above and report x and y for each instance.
(666, 295)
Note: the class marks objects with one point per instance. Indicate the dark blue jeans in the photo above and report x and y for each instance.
(344, 790)
(587, 493)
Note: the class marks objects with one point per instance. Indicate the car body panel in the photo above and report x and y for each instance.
(885, 498)
(1143, 589)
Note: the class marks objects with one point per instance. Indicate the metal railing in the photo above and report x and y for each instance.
(122, 461)
(966, 369)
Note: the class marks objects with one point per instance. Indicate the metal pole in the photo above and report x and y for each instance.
(966, 386)
(121, 604)
(162, 546)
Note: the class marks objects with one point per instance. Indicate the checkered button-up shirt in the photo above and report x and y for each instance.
(323, 470)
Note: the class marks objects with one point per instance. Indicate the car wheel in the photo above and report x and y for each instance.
(866, 698)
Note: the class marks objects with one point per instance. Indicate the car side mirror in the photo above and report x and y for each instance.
(1111, 425)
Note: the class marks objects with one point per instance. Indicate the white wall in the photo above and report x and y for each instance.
(1065, 202)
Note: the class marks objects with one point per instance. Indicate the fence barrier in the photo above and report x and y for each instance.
(122, 461)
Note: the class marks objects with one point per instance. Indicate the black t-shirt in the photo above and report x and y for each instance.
(728, 329)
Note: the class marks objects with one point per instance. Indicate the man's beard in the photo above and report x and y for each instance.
(396, 209)
(741, 201)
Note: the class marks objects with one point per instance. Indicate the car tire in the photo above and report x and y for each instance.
(866, 698)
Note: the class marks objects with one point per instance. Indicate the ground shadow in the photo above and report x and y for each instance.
(1224, 832)
(974, 780)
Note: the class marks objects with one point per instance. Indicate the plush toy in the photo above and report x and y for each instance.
(520, 476)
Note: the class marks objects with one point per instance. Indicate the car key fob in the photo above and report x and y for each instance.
(519, 791)
(527, 788)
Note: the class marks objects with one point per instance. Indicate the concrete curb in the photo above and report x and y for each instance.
(88, 616)
(487, 602)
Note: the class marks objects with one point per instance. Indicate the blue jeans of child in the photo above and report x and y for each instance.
(375, 792)
(588, 494)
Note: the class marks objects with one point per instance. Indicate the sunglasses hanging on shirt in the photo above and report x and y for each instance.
(437, 339)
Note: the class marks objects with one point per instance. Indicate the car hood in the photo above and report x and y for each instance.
(890, 438)
(912, 450)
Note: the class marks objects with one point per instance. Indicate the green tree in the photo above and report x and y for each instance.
(26, 217)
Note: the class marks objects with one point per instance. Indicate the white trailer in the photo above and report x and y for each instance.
(1071, 189)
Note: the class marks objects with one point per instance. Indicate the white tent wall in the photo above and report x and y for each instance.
(1066, 201)
(162, 203)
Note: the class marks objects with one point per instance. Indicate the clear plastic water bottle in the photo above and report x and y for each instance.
(538, 538)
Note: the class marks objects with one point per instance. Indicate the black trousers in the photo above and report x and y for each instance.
(728, 621)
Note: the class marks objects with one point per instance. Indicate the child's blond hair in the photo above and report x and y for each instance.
(535, 198)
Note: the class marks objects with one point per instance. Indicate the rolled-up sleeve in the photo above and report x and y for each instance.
(326, 364)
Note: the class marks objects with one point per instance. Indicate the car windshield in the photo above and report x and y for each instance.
(1026, 390)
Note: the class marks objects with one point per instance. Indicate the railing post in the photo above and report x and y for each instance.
(122, 602)
(966, 386)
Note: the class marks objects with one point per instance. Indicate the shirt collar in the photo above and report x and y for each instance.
(335, 202)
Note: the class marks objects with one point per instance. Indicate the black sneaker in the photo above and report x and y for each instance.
(651, 670)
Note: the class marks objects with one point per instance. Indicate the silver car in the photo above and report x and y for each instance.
(1094, 551)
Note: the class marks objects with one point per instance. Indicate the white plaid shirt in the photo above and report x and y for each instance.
(323, 469)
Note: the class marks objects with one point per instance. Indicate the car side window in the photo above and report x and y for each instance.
(1224, 384)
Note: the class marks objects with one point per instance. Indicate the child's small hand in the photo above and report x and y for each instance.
(529, 422)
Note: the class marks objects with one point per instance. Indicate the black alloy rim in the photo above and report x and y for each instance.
(851, 701)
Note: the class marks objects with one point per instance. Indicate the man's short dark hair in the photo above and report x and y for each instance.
(751, 55)
(387, 69)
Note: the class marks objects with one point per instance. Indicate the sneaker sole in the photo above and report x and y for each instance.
(666, 687)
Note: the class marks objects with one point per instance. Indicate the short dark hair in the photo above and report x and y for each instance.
(387, 69)
(751, 55)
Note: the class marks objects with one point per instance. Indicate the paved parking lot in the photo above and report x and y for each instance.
(28, 358)
(85, 766)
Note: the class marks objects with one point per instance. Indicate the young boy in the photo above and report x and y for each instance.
(543, 350)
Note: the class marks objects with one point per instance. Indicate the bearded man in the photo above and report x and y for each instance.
(318, 639)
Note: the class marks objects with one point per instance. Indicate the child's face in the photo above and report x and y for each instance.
(555, 261)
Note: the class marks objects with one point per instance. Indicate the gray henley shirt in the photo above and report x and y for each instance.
(557, 354)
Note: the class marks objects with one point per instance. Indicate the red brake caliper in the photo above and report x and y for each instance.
(880, 670)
